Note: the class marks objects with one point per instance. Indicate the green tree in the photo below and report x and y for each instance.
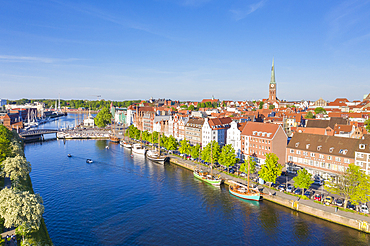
(184, 147)
(271, 106)
(227, 157)
(191, 107)
(367, 125)
(252, 165)
(195, 151)
(16, 168)
(309, 115)
(103, 118)
(21, 207)
(261, 105)
(303, 180)
(5, 139)
(320, 110)
(206, 153)
(16, 148)
(171, 143)
(353, 185)
(271, 169)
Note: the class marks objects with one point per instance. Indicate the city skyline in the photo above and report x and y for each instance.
(184, 49)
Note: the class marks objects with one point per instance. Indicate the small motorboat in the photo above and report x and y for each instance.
(89, 161)
(69, 155)
(107, 147)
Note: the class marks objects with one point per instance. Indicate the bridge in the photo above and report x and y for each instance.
(36, 134)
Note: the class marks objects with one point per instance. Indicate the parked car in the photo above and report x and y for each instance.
(281, 187)
(298, 191)
(364, 209)
(243, 174)
(308, 194)
(317, 197)
(339, 202)
(318, 182)
(328, 200)
(351, 206)
(289, 188)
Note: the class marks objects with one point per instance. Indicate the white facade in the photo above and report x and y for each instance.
(130, 117)
(207, 134)
(233, 138)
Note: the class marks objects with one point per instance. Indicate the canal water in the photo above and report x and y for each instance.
(119, 200)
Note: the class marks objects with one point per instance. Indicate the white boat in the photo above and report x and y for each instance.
(125, 144)
(153, 156)
(138, 149)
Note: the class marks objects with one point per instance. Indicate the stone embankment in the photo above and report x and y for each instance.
(329, 213)
(83, 134)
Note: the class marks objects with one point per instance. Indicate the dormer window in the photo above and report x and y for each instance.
(319, 147)
(307, 146)
(362, 146)
(297, 144)
(331, 149)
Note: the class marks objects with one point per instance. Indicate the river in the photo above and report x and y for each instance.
(119, 200)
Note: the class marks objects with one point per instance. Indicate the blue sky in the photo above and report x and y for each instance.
(184, 49)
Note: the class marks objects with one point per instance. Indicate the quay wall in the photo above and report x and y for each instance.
(361, 225)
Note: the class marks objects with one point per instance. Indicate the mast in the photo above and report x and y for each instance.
(159, 144)
(211, 156)
(248, 175)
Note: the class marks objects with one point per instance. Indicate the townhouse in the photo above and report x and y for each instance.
(215, 129)
(234, 137)
(259, 139)
(193, 131)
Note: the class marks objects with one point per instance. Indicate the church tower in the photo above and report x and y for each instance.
(272, 85)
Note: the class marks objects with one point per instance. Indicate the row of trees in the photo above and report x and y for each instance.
(19, 207)
(94, 105)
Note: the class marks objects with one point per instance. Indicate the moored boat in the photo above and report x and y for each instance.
(138, 149)
(153, 156)
(89, 161)
(207, 177)
(114, 139)
(126, 144)
(244, 192)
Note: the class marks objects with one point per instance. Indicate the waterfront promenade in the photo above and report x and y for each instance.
(353, 220)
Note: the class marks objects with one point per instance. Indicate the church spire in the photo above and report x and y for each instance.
(272, 73)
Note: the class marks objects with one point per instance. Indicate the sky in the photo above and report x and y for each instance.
(184, 49)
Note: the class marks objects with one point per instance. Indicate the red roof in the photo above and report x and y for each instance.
(261, 130)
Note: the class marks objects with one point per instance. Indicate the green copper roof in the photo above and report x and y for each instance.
(272, 73)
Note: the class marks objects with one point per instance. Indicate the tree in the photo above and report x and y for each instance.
(16, 148)
(191, 107)
(367, 125)
(171, 143)
(103, 118)
(252, 165)
(353, 185)
(16, 168)
(320, 110)
(303, 180)
(261, 105)
(21, 207)
(227, 157)
(309, 115)
(206, 153)
(195, 151)
(271, 169)
(5, 138)
(271, 106)
(184, 147)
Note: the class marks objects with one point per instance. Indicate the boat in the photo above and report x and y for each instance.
(207, 177)
(138, 149)
(107, 147)
(125, 144)
(69, 155)
(89, 161)
(114, 139)
(156, 155)
(245, 192)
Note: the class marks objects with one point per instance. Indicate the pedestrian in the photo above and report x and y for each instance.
(336, 209)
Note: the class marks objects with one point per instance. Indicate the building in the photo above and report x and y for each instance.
(272, 87)
(234, 137)
(193, 131)
(215, 129)
(89, 121)
(3, 102)
(259, 139)
(362, 154)
(325, 156)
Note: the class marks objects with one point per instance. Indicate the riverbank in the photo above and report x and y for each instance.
(328, 213)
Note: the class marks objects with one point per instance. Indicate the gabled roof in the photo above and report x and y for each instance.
(261, 130)
(325, 123)
(342, 128)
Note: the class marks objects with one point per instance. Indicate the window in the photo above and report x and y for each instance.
(337, 158)
(316, 163)
(298, 152)
(346, 160)
(319, 147)
(328, 165)
(312, 154)
(329, 157)
(305, 153)
(362, 146)
(292, 151)
(307, 146)
(311, 162)
(296, 144)
(358, 163)
(290, 158)
(321, 156)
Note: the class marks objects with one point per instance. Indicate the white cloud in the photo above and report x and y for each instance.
(242, 12)
(6, 58)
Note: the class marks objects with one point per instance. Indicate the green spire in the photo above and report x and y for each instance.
(272, 73)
